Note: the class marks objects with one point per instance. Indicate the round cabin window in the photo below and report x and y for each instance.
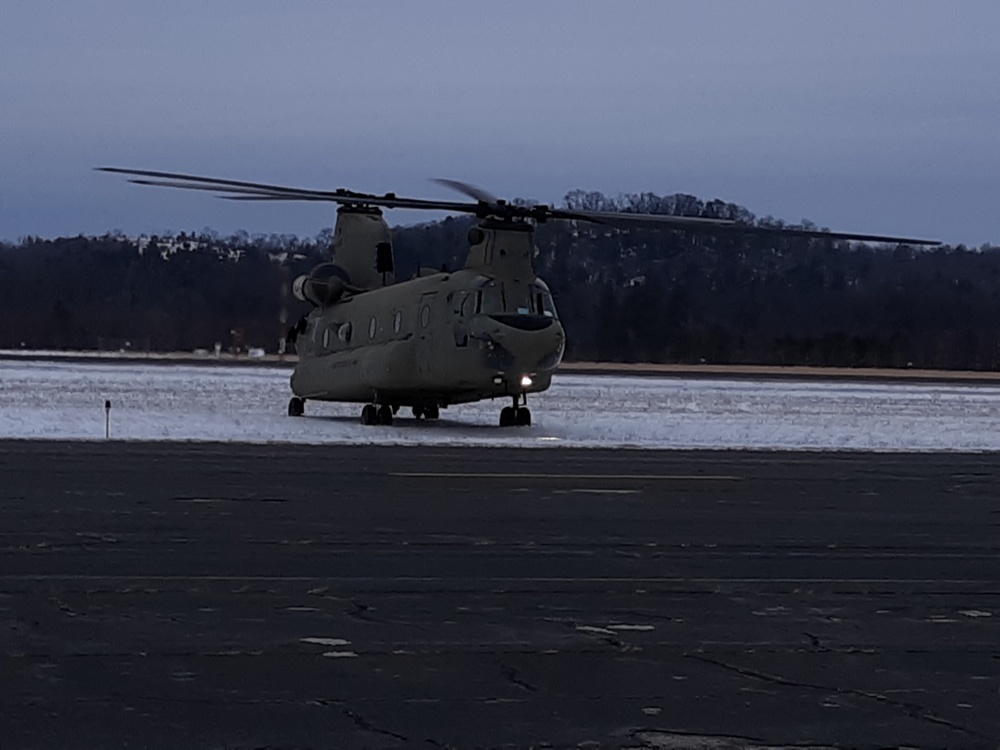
(372, 327)
(397, 322)
(425, 316)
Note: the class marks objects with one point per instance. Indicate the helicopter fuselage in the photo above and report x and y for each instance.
(440, 339)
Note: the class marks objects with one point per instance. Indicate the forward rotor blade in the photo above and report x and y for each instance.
(696, 223)
(815, 234)
(280, 197)
(661, 220)
(476, 193)
(486, 206)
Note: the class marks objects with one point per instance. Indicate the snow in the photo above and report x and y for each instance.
(65, 400)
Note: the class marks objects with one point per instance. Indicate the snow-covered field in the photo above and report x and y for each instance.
(65, 400)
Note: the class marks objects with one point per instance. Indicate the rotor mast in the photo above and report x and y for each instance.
(362, 246)
(502, 249)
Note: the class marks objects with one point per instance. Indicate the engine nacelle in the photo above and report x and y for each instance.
(320, 292)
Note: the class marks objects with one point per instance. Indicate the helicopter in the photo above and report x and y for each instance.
(489, 330)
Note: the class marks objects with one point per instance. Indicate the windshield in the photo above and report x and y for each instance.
(490, 299)
(514, 298)
(544, 304)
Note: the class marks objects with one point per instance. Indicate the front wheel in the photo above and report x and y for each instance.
(369, 415)
(296, 406)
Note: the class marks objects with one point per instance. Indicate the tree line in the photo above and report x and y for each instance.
(636, 295)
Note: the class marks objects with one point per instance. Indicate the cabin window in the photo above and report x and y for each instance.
(326, 338)
(372, 328)
(397, 322)
(344, 333)
(425, 316)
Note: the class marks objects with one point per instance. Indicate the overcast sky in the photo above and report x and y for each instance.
(862, 116)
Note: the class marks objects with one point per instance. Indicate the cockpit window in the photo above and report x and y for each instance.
(513, 298)
(519, 299)
(544, 305)
(490, 299)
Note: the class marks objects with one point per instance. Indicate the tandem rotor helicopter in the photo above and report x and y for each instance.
(489, 330)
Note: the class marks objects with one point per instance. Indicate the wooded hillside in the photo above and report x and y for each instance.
(637, 295)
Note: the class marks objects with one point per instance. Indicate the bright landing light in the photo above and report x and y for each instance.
(525, 381)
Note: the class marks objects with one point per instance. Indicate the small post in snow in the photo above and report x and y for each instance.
(107, 420)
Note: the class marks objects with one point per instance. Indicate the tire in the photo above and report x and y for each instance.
(296, 407)
(369, 415)
(507, 416)
(384, 415)
(522, 417)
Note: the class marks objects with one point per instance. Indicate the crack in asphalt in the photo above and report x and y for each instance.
(361, 612)
(911, 709)
(511, 674)
(362, 722)
(654, 739)
(650, 742)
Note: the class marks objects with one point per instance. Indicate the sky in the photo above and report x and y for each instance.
(859, 116)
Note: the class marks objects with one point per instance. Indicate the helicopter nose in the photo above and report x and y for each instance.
(523, 348)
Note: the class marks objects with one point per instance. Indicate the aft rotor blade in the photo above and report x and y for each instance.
(242, 190)
(361, 199)
(218, 183)
(211, 188)
(486, 206)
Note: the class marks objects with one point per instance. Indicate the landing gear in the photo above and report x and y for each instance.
(296, 406)
(373, 414)
(369, 415)
(427, 412)
(519, 416)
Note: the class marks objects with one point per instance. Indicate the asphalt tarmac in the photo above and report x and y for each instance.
(217, 595)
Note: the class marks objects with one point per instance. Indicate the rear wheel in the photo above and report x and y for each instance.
(431, 412)
(296, 406)
(507, 416)
(385, 415)
(522, 417)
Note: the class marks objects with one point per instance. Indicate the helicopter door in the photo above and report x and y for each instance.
(426, 320)
(463, 304)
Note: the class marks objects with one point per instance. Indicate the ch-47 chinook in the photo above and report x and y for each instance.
(487, 331)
